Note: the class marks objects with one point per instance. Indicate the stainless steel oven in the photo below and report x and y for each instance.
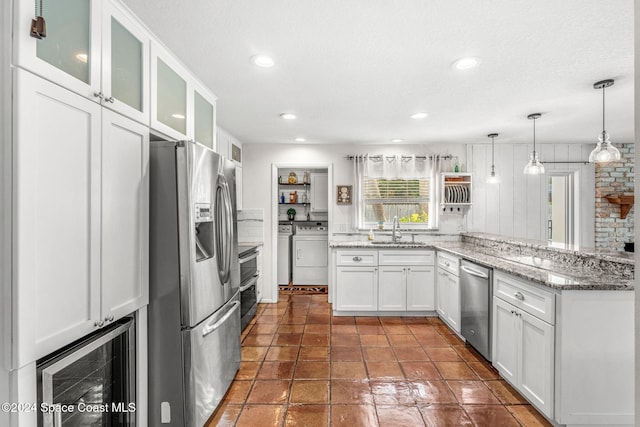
(248, 257)
(90, 382)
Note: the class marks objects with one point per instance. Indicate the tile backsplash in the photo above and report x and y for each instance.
(251, 225)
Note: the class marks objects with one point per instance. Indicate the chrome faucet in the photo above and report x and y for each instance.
(395, 234)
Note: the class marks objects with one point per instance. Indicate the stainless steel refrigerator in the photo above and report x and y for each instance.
(194, 308)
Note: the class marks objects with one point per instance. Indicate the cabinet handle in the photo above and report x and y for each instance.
(375, 269)
(98, 95)
(357, 258)
(110, 99)
(519, 296)
(98, 323)
(109, 319)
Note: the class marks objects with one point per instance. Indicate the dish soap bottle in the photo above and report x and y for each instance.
(371, 236)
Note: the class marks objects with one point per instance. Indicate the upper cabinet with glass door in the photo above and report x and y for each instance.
(204, 117)
(94, 48)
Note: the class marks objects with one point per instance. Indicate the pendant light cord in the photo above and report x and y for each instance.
(534, 136)
(603, 130)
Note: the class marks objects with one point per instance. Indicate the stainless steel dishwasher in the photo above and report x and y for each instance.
(475, 300)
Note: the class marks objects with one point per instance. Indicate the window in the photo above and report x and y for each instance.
(408, 199)
(395, 185)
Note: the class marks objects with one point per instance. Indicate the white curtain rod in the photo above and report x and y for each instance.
(379, 156)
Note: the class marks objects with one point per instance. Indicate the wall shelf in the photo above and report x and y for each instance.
(625, 202)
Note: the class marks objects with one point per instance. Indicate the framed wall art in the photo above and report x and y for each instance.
(343, 194)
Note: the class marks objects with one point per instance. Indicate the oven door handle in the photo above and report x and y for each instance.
(252, 255)
(250, 283)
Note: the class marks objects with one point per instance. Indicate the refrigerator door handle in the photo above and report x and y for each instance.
(212, 328)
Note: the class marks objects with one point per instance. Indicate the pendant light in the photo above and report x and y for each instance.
(493, 177)
(604, 151)
(534, 167)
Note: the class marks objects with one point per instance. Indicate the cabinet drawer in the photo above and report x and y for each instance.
(359, 257)
(533, 300)
(406, 257)
(448, 262)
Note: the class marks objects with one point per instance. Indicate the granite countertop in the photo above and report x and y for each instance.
(541, 271)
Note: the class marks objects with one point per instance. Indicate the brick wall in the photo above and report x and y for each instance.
(611, 231)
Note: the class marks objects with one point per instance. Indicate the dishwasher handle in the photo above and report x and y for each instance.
(473, 272)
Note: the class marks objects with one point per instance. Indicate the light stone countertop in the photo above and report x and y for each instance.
(541, 271)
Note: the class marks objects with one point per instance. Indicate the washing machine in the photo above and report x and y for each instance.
(310, 256)
(285, 232)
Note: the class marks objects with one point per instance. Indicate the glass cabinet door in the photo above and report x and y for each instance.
(171, 98)
(203, 116)
(68, 41)
(126, 66)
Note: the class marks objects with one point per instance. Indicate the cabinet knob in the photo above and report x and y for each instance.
(519, 296)
(109, 319)
(357, 258)
(110, 99)
(447, 263)
(98, 95)
(98, 323)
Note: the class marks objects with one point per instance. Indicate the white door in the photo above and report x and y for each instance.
(505, 336)
(392, 289)
(442, 292)
(420, 288)
(125, 216)
(536, 347)
(357, 288)
(453, 302)
(57, 215)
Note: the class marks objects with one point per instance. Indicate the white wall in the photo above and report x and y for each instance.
(636, 211)
(258, 185)
(518, 206)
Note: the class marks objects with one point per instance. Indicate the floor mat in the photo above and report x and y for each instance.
(303, 290)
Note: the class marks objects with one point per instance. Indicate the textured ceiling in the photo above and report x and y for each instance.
(355, 70)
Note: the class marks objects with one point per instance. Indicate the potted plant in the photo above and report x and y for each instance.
(291, 213)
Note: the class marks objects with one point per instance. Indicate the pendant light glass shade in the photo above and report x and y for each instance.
(493, 177)
(604, 151)
(534, 166)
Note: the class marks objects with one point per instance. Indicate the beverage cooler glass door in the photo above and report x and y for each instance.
(93, 379)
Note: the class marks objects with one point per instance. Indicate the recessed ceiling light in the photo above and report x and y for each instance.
(397, 140)
(300, 140)
(288, 116)
(466, 63)
(419, 115)
(263, 61)
(178, 116)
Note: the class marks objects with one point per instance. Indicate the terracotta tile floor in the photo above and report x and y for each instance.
(303, 367)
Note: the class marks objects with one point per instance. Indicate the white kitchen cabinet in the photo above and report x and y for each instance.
(356, 288)
(124, 217)
(204, 117)
(78, 217)
(421, 288)
(523, 343)
(406, 280)
(392, 288)
(170, 96)
(93, 48)
(319, 192)
(448, 290)
(523, 350)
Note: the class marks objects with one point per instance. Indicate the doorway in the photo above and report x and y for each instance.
(562, 218)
